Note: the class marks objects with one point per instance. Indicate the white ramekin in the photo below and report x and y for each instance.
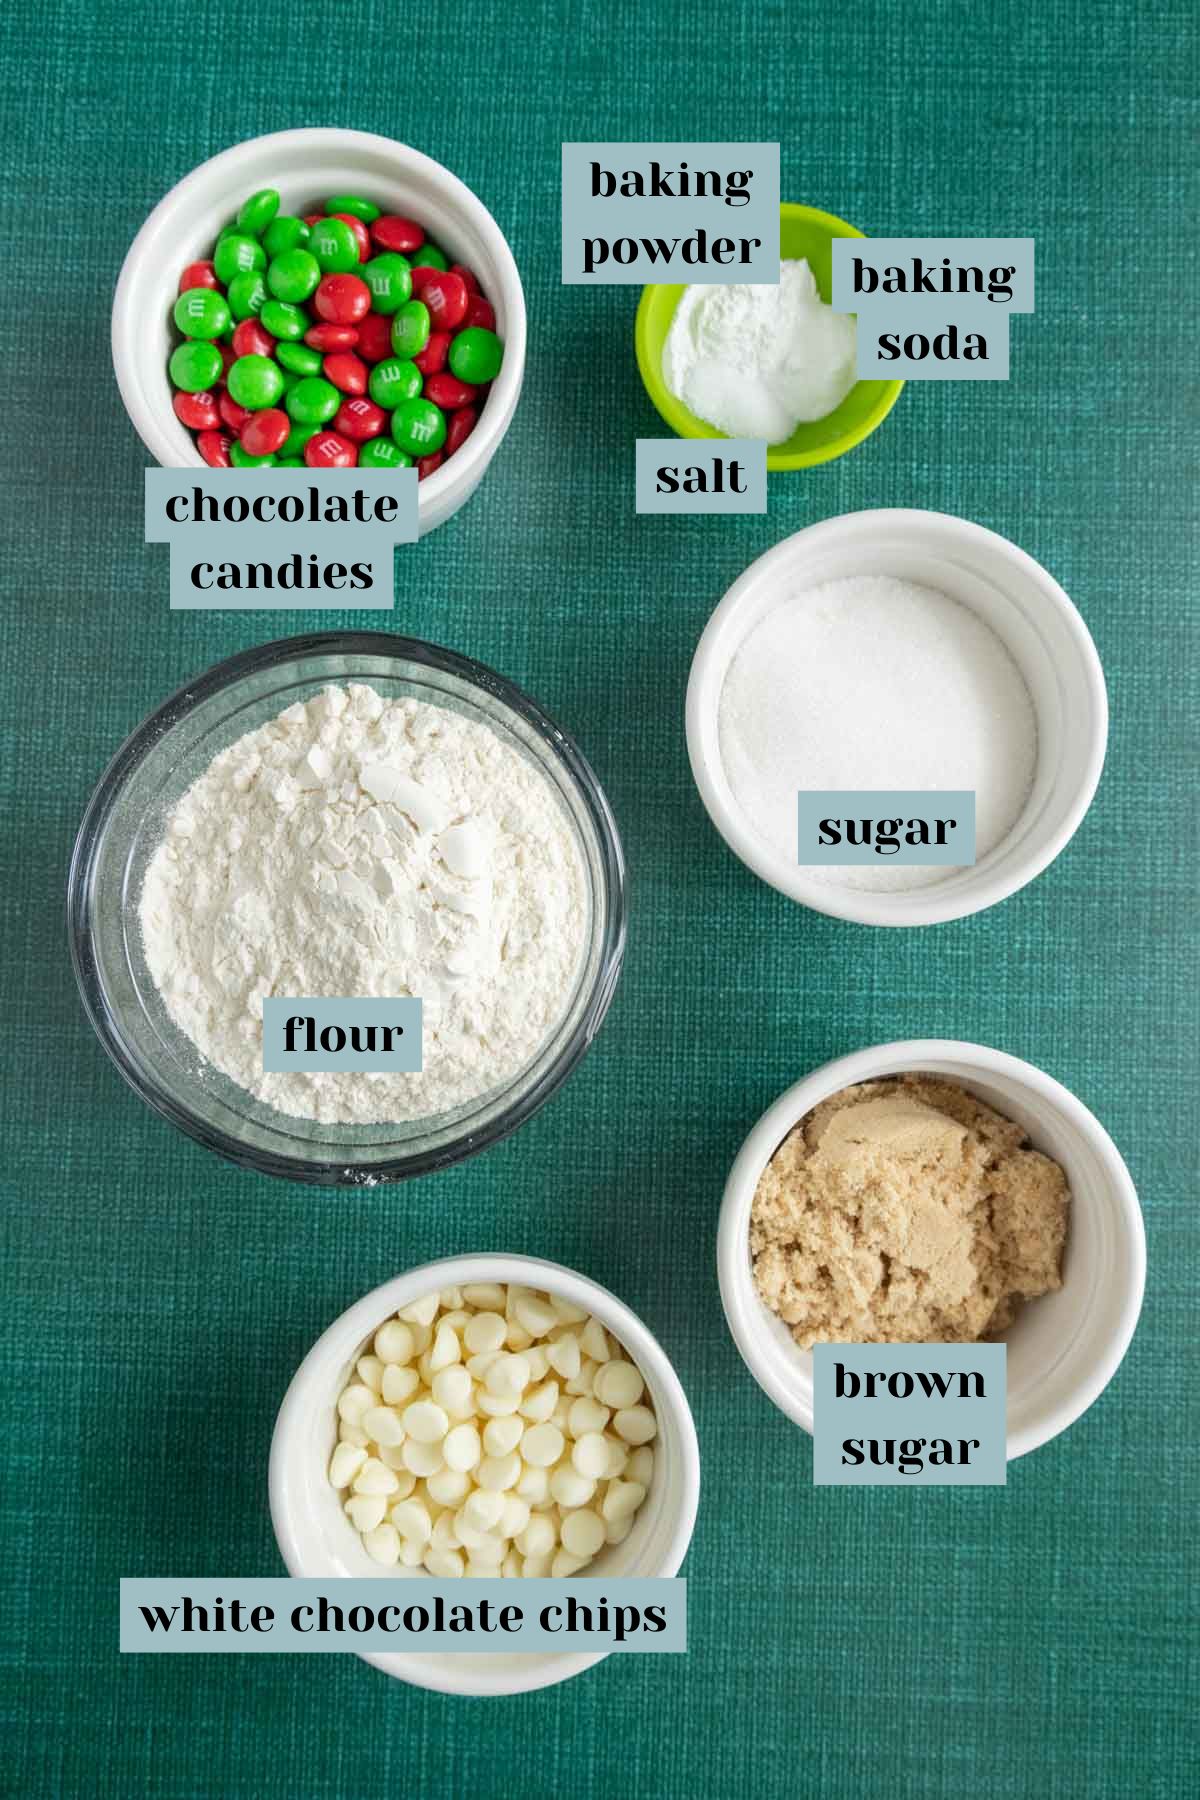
(1063, 1349)
(1026, 609)
(307, 166)
(317, 1539)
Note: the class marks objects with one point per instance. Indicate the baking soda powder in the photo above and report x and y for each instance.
(757, 360)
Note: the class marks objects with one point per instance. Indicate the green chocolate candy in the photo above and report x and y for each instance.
(311, 402)
(202, 313)
(282, 320)
(293, 275)
(381, 453)
(335, 246)
(476, 354)
(410, 328)
(429, 257)
(284, 233)
(256, 213)
(254, 382)
(195, 366)
(289, 462)
(247, 294)
(236, 254)
(419, 427)
(389, 278)
(355, 205)
(242, 459)
(301, 359)
(294, 442)
(393, 380)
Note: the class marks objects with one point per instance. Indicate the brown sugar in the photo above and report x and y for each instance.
(906, 1211)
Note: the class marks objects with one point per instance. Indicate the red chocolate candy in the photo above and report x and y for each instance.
(342, 300)
(326, 450)
(468, 280)
(446, 297)
(233, 416)
(249, 339)
(265, 432)
(360, 419)
(198, 274)
(197, 411)
(480, 312)
(433, 357)
(448, 392)
(331, 337)
(422, 275)
(427, 464)
(214, 448)
(393, 233)
(347, 372)
(374, 337)
(459, 427)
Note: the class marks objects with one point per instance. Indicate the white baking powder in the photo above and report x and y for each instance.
(358, 846)
(871, 683)
(756, 361)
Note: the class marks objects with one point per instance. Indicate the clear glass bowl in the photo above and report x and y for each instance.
(124, 824)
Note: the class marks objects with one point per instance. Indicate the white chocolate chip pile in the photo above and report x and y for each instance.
(493, 1430)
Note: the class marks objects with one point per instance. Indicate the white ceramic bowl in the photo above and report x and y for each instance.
(306, 167)
(317, 1539)
(1026, 609)
(1062, 1349)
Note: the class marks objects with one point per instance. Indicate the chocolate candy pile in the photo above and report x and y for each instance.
(338, 339)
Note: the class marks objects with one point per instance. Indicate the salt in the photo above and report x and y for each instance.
(757, 360)
(874, 683)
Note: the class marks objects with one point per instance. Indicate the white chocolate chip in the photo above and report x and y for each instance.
(593, 1342)
(462, 1448)
(400, 1383)
(383, 1544)
(589, 1457)
(374, 1478)
(583, 1533)
(345, 1464)
(618, 1385)
(366, 1511)
(563, 1355)
(488, 1429)
(425, 1421)
(382, 1425)
(395, 1342)
(542, 1445)
(636, 1424)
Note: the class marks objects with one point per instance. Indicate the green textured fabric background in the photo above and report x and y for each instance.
(1038, 1641)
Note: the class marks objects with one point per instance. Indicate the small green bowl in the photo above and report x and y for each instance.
(803, 232)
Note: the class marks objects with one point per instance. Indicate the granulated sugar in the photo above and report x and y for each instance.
(354, 847)
(872, 683)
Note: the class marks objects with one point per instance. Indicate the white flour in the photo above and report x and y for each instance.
(756, 360)
(873, 683)
(357, 846)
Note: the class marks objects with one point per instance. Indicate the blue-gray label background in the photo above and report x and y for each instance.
(404, 1059)
(585, 217)
(932, 314)
(816, 804)
(651, 454)
(836, 1420)
(274, 542)
(283, 1594)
